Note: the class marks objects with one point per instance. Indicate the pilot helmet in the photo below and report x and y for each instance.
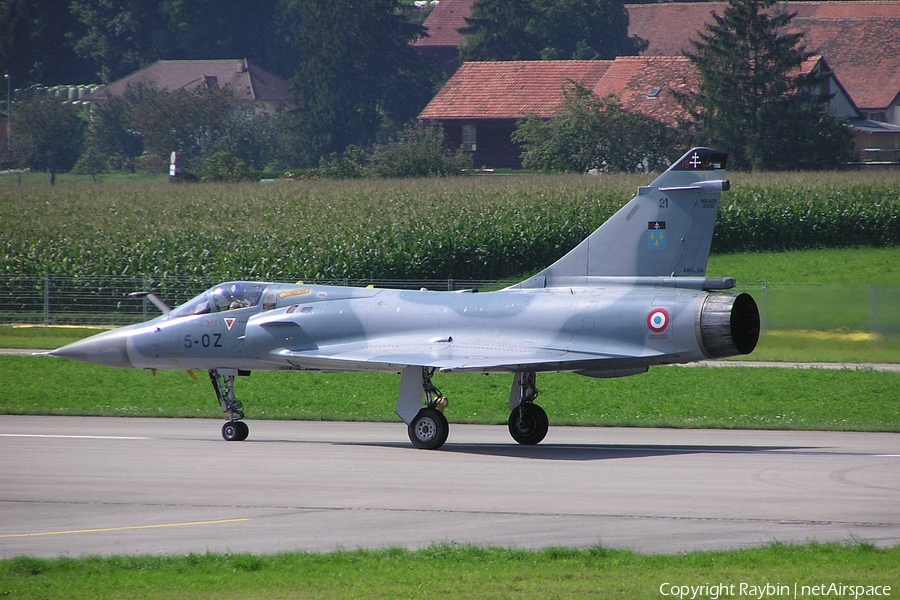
(221, 299)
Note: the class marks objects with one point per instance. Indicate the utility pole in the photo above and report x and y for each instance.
(8, 111)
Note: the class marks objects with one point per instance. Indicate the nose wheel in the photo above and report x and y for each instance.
(235, 431)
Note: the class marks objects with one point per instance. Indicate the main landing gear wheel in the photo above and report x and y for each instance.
(528, 424)
(235, 431)
(429, 429)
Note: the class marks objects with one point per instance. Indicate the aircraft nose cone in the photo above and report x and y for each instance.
(108, 349)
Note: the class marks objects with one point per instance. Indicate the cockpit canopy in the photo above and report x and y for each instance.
(224, 297)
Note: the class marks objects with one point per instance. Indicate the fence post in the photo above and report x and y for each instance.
(46, 300)
(146, 288)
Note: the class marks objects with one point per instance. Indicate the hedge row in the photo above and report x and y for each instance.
(472, 228)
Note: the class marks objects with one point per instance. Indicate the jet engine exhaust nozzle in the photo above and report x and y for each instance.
(728, 325)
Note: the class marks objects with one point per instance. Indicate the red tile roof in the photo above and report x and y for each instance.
(443, 22)
(248, 81)
(511, 90)
(860, 40)
(647, 84)
(517, 89)
(865, 56)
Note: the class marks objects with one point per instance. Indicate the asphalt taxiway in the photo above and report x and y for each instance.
(73, 486)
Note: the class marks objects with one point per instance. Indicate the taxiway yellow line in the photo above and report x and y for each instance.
(131, 528)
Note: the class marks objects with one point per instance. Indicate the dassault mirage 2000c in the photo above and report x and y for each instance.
(633, 294)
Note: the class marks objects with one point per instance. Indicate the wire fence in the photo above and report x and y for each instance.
(58, 300)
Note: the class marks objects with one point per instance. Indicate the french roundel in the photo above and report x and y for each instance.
(658, 320)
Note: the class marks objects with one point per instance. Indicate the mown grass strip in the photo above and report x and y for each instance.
(701, 397)
(459, 572)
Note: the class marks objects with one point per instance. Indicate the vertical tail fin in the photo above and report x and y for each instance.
(665, 231)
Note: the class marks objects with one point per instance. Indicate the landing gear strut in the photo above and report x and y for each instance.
(528, 422)
(234, 430)
(429, 428)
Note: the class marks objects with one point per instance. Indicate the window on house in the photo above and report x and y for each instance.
(874, 116)
(468, 138)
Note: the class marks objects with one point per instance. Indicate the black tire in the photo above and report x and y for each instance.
(429, 429)
(528, 424)
(235, 431)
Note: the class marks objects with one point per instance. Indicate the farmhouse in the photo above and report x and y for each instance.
(249, 82)
(481, 104)
(858, 39)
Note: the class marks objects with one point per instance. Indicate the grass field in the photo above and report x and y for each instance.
(460, 572)
(704, 397)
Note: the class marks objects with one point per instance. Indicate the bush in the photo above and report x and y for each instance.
(224, 166)
(346, 166)
(418, 151)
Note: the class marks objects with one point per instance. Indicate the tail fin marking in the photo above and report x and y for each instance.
(664, 231)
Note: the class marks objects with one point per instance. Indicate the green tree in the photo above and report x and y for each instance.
(548, 29)
(112, 133)
(592, 133)
(803, 134)
(184, 122)
(150, 123)
(254, 137)
(48, 135)
(34, 44)
(92, 161)
(751, 99)
(500, 30)
(585, 30)
(217, 29)
(358, 71)
(117, 35)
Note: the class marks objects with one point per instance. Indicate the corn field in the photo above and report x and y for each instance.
(492, 227)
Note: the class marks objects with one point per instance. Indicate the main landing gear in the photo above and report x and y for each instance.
(428, 428)
(234, 430)
(528, 422)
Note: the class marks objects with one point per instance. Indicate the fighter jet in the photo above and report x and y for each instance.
(632, 295)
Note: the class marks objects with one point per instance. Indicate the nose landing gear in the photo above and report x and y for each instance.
(234, 430)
